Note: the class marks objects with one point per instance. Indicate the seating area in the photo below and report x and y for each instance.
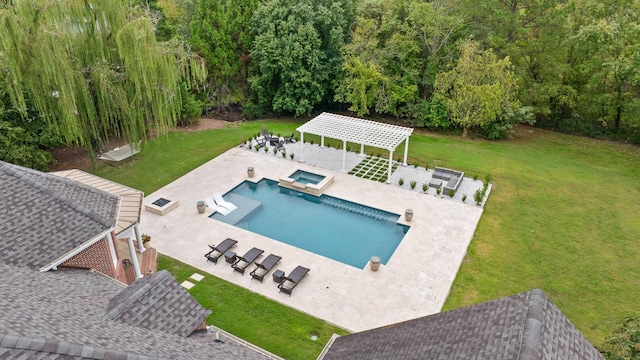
(446, 179)
(286, 284)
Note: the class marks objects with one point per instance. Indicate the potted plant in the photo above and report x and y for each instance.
(146, 239)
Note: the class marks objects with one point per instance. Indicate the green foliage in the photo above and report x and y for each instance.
(464, 197)
(22, 148)
(451, 192)
(296, 52)
(401, 181)
(425, 187)
(624, 342)
(412, 184)
(191, 107)
(478, 196)
(220, 33)
(430, 114)
(479, 89)
(101, 74)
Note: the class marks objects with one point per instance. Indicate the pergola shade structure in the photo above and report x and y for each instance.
(359, 131)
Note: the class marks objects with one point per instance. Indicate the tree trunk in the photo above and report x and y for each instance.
(464, 132)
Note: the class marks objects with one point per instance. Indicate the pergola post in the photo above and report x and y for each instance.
(321, 140)
(362, 149)
(301, 146)
(406, 150)
(389, 171)
(344, 155)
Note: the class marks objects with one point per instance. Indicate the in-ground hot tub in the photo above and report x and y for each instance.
(314, 183)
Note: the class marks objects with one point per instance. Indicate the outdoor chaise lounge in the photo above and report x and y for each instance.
(222, 202)
(211, 204)
(265, 266)
(290, 282)
(221, 248)
(290, 139)
(247, 259)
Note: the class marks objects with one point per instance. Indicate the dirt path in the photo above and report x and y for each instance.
(77, 157)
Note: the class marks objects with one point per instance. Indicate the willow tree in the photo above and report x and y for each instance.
(92, 69)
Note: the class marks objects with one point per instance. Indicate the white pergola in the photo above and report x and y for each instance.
(359, 131)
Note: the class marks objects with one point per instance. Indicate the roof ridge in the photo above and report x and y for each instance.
(20, 172)
(533, 324)
(42, 344)
(135, 293)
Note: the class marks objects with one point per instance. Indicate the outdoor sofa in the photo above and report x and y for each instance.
(447, 179)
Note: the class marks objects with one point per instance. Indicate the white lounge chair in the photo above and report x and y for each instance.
(222, 202)
(212, 205)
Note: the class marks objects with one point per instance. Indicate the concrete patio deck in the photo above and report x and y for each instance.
(415, 282)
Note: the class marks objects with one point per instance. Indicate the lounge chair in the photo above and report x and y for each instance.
(222, 248)
(247, 259)
(294, 278)
(265, 266)
(290, 139)
(280, 146)
(211, 204)
(222, 202)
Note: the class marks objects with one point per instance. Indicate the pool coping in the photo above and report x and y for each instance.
(415, 282)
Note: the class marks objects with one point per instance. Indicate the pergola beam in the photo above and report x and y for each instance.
(358, 131)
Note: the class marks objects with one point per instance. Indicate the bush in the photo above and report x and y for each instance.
(464, 197)
(412, 183)
(451, 192)
(425, 187)
(478, 196)
(401, 181)
(291, 156)
(438, 190)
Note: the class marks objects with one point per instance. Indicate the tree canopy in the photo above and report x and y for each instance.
(92, 70)
(296, 59)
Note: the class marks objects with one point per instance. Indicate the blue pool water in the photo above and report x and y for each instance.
(338, 229)
(305, 177)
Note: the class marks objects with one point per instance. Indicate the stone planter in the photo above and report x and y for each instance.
(374, 262)
(201, 207)
(250, 171)
(147, 245)
(408, 214)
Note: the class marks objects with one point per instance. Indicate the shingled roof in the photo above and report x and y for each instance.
(158, 302)
(43, 217)
(62, 314)
(526, 326)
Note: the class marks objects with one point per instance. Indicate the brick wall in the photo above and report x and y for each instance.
(96, 257)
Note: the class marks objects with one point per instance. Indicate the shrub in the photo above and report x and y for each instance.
(475, 177)
(275, 150)
(415, 164)
(412, 183)
(438, 190)
(284, 154)
(425, 187)
(311, 141)
(464, 197)
(478, 196)
(451, 192)
(291, 156)
(265, 149)
(401, 181)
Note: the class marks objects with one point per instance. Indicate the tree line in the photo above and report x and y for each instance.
(450, 65)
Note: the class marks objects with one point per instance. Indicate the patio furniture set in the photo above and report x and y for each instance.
(276, 141)
(286, 284)
(451, 179)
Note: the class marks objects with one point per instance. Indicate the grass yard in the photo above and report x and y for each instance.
(562, 215)
(253, 317)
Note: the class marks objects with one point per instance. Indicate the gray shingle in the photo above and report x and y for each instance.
(65, 309)
(174, 310)
(53, 215)
(523, 326)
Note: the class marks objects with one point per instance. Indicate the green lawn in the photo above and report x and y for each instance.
(253, 317)
(562, 215)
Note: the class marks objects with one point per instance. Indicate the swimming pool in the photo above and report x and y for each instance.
(335, 228)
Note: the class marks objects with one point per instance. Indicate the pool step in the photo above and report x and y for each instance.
(361, 210)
